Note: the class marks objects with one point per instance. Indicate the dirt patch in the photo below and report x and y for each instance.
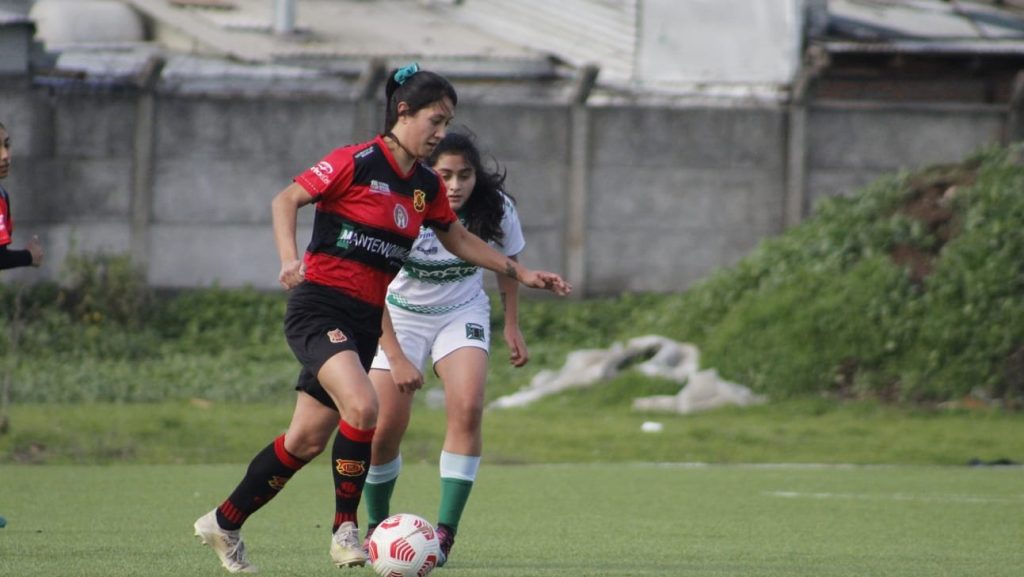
(931, 204)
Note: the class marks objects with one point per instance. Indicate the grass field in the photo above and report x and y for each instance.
(870, 490)
(543, 520)
(570, 428)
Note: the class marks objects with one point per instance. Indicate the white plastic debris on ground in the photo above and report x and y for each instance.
(666, 358)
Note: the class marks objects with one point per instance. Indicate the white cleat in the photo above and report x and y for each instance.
(346, 551)
(227, 544)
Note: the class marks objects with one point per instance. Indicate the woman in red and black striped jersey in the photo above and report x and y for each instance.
(32, 255)
(371, 200)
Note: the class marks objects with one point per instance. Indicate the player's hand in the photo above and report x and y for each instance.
(407, 377)
(517, 353)
(546, 280)
(292, 274)
(35, 248)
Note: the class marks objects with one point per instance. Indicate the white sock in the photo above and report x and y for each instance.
(383, 473)
(454, 466)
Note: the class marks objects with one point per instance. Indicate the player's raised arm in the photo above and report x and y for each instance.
(470, 248)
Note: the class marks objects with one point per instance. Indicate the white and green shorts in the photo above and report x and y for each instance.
(438, 334)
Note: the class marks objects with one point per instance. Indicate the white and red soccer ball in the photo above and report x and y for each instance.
(404, 545)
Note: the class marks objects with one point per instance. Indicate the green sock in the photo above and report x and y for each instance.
(377, 497)
(454, 494)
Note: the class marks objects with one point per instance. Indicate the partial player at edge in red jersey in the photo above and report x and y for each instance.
(371, 200)
(32, 255)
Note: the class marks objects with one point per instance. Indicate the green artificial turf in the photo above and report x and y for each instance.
(542, 521)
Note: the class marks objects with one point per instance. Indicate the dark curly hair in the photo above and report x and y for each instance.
(485, 208)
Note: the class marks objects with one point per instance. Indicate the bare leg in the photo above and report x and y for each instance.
(345, 380)
(393, 418)
(464, 374)
(312, 425)
(395, 410)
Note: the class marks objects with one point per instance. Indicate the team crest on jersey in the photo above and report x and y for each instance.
(349, 468)
(336, 336)
(419, 200)
(401, 216)
(474, 332)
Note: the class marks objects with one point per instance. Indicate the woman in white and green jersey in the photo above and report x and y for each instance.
(437, 307)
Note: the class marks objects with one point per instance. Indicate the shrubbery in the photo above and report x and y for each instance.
(911, 290)
(102, 335)
(828, 306)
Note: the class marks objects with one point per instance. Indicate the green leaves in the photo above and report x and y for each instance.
(827, 304)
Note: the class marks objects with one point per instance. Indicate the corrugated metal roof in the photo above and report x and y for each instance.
(874, 20)
(577, 31)
(344, 33)
(923, 27)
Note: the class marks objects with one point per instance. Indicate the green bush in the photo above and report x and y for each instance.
(825, 307)
(829, 307)
(806, 334)
(216, 319)
(102, 287)
(971, 316)
(102, 335)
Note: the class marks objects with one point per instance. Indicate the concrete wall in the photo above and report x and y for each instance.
(676, 193)
(671, 193)
(852, 144)
(219, 164)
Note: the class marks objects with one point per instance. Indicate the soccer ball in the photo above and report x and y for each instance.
(404, 545)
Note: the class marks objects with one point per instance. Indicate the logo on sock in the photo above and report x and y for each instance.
(349, 468)
(347, 490)
(277, 483)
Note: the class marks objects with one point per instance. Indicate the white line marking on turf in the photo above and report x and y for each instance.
(896, 497)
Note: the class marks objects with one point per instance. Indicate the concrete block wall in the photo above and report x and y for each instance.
(531, 144)
(677, 193)
(671, 193)
(70, 176)
(219, 164)
(852, 145)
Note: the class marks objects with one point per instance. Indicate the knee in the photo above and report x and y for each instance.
(468, 414)
(306, 446)
(361, 414)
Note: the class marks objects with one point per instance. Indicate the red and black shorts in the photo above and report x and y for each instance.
(321, 322)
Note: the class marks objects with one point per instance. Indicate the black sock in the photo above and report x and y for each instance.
(350, 459)
(268, 472)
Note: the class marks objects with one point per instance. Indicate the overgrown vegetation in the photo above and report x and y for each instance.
(102, 335)
(911, 290)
